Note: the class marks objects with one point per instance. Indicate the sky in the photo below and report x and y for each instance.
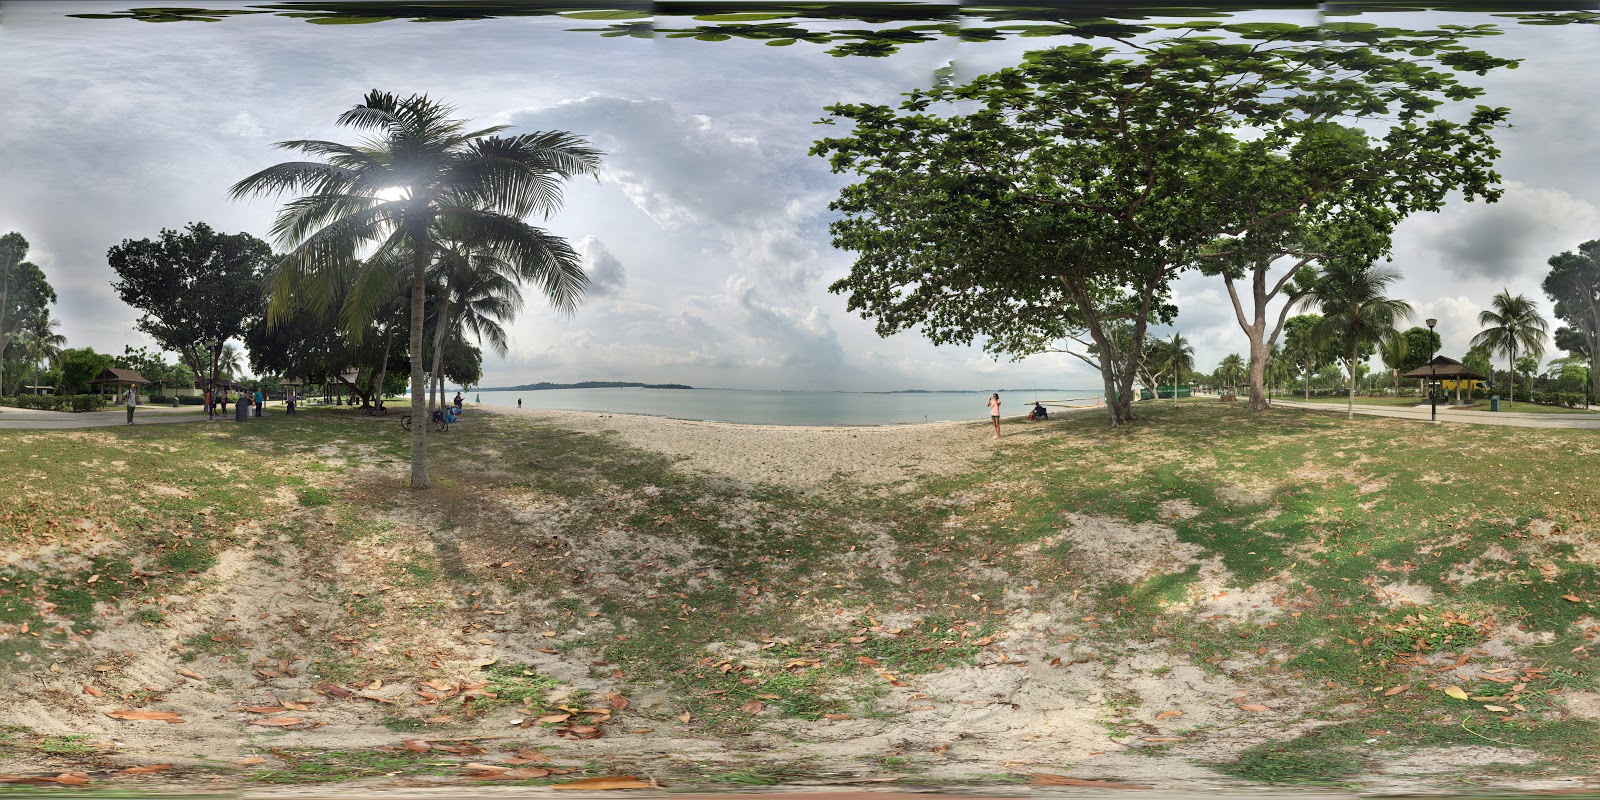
(705, 235)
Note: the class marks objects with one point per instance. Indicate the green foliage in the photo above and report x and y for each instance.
(1061, 196)
(79, 366)
(1421, 346)
(1573, 283)
(1513, 325)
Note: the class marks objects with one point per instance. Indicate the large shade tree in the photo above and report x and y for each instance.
(1512, 325)
(1357, 313)
(24, 294)
(420, 169)
(1094, 172)
(1573, 283)
(197, 288)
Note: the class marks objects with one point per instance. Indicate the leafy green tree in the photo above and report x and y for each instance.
(1305, 345)
(1512, 325)
(1573, 283)
(195, 286)
(1176, 358)
(1080, 182)
(1421, 346)
(79, 366)
(1356, 313)
(24, 293)
(1231, 369)
(39, 342)
(422, 171)
(1393, 352)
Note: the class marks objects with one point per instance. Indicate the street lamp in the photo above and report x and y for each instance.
(1433, 396)
(211, 379)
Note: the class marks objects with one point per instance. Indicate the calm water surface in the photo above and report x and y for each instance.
(786, 408)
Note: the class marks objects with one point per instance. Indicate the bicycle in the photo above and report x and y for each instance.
(375, 411)
(440, 422)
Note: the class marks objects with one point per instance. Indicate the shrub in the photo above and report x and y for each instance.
(185, 400)
(85, 402)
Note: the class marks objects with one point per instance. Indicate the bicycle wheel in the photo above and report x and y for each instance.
(405, 422)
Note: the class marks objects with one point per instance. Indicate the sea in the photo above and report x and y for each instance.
(759, 407)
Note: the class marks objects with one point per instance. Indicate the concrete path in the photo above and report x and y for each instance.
(37, 419)
(1511, 418)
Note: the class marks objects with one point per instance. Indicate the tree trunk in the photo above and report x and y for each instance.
(1350, 367)
(1511, 377)
(383, 368)
(438, 345)
(419, 414)
(1308, 380)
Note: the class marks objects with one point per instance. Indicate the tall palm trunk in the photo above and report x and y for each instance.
(383, 368)
(419, 414)
(438, 346)
(1511, 376)
(1308, 380)
(1350, 367)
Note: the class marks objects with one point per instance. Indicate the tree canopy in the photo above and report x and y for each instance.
(24, 294)
(1573, 283)
(1061, 196)
(194, 286)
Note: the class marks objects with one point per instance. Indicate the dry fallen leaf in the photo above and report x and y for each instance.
(261, 709)
(608, 782)
(685, 717)
(836, 716)
(1571, 598)
(277, 722)
(1173, 714)
(556, 718)
(65, 778)
(93, 692)
(1396, 690)
(1456, 691)
(1045, 779)
(144, 714)
(250, 762)
(145, 770)
(1256, 707)
(753, 707)
(190, 674)
(416, 745)
(1496, 709)
(617, 701)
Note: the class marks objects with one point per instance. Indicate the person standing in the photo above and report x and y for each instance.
(994, 412)
(519, 402)
(260, 399)
(242, 410)
(133, 400)
(288, 400)
(210, 402)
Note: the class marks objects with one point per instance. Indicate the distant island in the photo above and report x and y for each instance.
(534, 387)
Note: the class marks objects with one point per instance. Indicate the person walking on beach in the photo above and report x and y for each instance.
(260, 399)
(133, 400)
(519, 402)
(994, 412)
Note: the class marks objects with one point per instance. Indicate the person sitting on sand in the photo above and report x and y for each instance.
(994, 412)
(1038, 412)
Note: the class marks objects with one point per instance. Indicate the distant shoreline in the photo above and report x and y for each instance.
(542, 385)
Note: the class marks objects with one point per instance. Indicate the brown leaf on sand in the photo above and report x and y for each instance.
(144, 714)
(93, 692)
(192, 675)
(416, 745)
(617, 701)
(1396, 690)
(292, 706)
(1255, 707)
(277, 722)
(250, 762)
(685, 717)
(605, 783)
(1046, 779)
(146, 770)
(556, 718)
(580, 732)
(64, 779)
(753, 707)
(1165, 715)
(261, 709)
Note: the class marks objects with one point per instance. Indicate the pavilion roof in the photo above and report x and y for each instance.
(119, 376)
(1441, 367)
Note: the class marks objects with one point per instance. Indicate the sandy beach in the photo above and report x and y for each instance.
(798, 457)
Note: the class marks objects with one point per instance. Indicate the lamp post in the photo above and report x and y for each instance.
(211, 379)
(1433, 397)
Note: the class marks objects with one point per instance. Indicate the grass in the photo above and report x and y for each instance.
(1480, 404)
(741, 595)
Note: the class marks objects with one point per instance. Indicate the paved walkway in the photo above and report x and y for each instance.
(1511, 418)
(37, 419)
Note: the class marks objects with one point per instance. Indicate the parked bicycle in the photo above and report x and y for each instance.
(440, 422)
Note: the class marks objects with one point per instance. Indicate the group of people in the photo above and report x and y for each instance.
(251, 401)
(1036, 413)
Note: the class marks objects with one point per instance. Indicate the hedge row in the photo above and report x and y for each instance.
(56, 402)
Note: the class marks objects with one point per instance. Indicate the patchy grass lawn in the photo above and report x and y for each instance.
(1520, 406)
(1205, 597)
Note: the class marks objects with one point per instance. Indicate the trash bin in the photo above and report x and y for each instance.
(174, 402)
(1494, 402)
(241, 412)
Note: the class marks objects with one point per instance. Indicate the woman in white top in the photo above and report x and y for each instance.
(994, 413)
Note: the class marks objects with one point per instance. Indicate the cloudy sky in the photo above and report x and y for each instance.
(706, 234)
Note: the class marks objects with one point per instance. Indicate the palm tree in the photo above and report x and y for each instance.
(392, 192)
(230, 362)
(1356, 312)
(1231, 368)
(478, 291)
(40, 342)
(1394, 352)
(1177, 356)
(1514, 325)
